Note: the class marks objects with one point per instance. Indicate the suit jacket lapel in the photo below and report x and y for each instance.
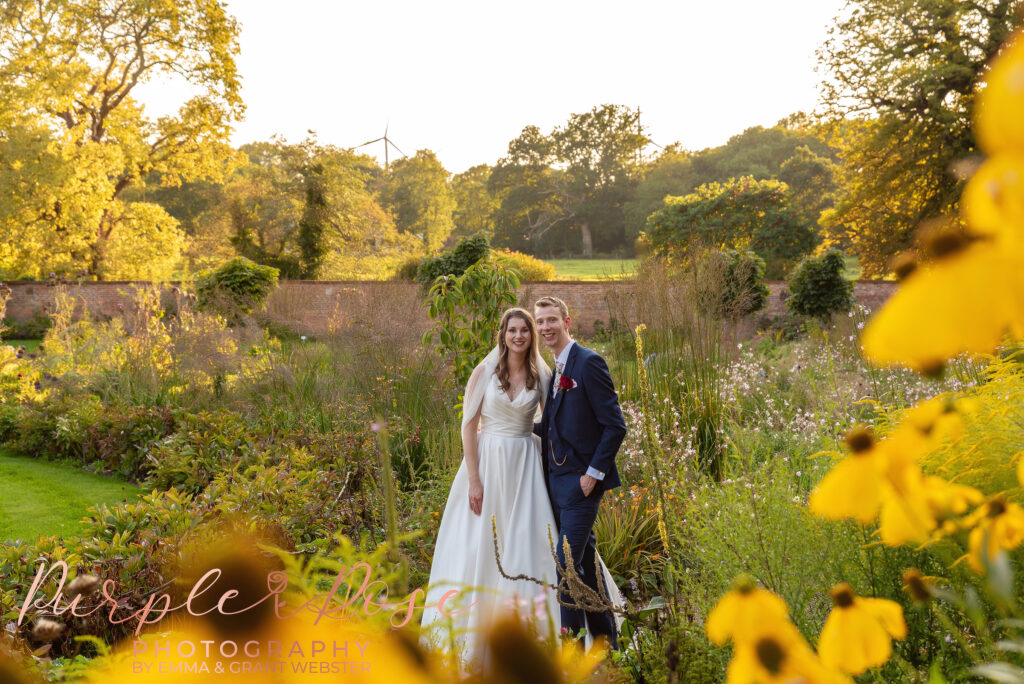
(567, 371)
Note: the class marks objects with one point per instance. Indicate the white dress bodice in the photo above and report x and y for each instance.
(504, 417)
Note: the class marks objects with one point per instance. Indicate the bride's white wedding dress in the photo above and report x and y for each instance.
(515, 494)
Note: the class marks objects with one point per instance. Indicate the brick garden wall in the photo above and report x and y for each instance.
(310, 307)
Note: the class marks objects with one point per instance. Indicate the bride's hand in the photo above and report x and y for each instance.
(476, 496)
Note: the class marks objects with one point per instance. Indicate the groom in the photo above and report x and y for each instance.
(581, 430)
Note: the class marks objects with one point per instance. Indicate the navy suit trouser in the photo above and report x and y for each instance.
(575, 515)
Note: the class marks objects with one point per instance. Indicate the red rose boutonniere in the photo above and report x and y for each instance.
(566, 383)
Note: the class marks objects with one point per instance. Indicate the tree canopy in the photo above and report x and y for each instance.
(73, 138)
(743, 213)
(570, 184)
(900, 79)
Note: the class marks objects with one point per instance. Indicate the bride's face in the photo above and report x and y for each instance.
(517, 336)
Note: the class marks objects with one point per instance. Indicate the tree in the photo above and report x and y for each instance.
(308, 210)
(578, 178)
(812, 182)
(78, 139)
(905, 72)
(474, 204)
(742, 213)
(417, 193)
(758, 152)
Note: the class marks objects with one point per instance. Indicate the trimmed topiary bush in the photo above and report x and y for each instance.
(817, 287)
(238, 286)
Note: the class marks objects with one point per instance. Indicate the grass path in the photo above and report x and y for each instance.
(593, 269)
(38, 497)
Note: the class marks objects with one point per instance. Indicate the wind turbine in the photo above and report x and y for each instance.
(387, 142)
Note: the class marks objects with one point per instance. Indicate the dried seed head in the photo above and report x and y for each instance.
(47, 630)
(83, 585)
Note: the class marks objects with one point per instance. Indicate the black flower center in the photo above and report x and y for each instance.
(860, 440)
(842, 595)
(771, 654)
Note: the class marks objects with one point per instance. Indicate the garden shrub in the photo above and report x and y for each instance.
(238, 286)
(729, 283)
(528, 267)
(121, 440)
(203, 445)
(454, 262)
(407, 269)
(817, 287)
(467, 311)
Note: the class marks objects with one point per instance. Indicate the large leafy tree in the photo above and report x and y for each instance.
(905, 73)
(474, 203)
(575, 180)
(742, 213)
(73, 138)
(758, 152)
(309, 210)
(417, 192)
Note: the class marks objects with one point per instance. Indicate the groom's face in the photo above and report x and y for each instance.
(552, 328)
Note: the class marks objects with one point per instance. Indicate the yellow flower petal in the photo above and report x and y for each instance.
(998, 123)
(852, 489)
(853, 640)
(738, 614)
(888, 613)
(993, 201)
(964, 303)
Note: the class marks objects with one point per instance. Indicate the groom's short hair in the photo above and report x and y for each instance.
(555, 302)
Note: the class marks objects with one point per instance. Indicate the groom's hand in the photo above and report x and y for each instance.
(587, 484)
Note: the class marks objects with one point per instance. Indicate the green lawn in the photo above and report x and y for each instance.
(593, 269)
(30, 345)
(38, 497)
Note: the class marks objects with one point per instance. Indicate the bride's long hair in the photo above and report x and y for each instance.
(532, 372)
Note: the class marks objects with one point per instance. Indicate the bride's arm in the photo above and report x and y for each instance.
(470, 455)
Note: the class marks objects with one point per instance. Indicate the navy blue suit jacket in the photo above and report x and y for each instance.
(583, 427)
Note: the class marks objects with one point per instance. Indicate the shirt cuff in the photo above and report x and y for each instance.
(596, 474)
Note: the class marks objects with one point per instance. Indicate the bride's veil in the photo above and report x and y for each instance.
(477, 385)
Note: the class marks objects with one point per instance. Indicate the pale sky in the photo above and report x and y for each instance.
(464, 78)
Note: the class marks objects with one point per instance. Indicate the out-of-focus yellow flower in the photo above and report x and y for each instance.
(741, 612)
(998, 123)
(879, 479)
(962, 304)
(996, 525)
(857, 634)
(777, 653)
(853, 488)
(993, 201)
(947, 498)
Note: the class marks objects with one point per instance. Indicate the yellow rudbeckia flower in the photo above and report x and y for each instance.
(993, 201)
(961, 304)
(742, 611)
(998, 123)
(857, 634)
(997, 525)
(779, 654)
(853, 488)
(879, 480)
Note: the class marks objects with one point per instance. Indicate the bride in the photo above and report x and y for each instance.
(501, 475)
